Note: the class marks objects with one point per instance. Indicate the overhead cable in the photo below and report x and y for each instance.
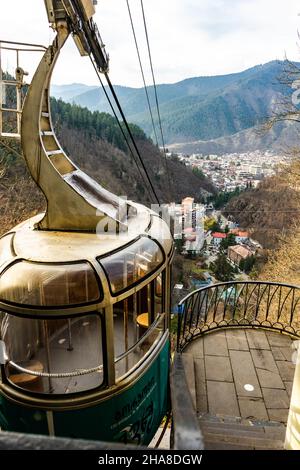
(120, 127)
(155, 92)
(142, 71)
(130, 135)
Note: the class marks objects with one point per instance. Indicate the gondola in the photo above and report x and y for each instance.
(84, 287)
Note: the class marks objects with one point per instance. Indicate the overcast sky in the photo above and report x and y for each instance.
(188, 37)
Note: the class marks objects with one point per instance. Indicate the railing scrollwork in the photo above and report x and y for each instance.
(236, 304)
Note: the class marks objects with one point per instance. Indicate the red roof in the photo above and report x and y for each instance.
(239, 233)
(219, 235)
(243, 234)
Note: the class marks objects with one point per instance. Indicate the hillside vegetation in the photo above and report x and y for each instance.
(272, 210)
(95, 143)
(283, 263)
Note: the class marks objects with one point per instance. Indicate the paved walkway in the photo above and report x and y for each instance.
(244, 373)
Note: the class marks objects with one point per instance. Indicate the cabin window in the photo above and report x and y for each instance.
(158, 294)
(50, 285)
(56, 356)
(5, 248)
(139, 322)
(129, 266)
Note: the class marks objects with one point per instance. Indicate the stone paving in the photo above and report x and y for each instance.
(244, 373)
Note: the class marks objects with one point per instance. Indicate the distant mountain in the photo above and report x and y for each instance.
(69, 92)
(200, 108)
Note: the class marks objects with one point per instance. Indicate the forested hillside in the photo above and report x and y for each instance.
(272, 210)
(199, 108)
(95, 143)
(19, 195)
(272, 213)
(94, 124)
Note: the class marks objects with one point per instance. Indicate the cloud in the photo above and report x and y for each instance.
(188, 37)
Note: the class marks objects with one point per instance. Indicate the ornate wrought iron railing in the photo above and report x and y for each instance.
(236, 304)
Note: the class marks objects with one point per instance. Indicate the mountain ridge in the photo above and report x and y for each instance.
(201, 108)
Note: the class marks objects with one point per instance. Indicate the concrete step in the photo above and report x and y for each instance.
(208, 418)
(243, 431)
(247, 441)
(275, 430)
(230, 432)
(218, 418)
(220, 446)
(239, 428)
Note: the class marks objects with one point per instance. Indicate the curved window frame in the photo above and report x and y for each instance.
(9, 236)
(60, 396)
(141, 279)
(161, 319)
(55, 307)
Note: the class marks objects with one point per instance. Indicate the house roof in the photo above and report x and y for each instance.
(239, 233)
(243, 234)
(219, 235)
(243, 251)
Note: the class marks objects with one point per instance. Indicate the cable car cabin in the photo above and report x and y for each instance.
(84, 288)
(84, 331)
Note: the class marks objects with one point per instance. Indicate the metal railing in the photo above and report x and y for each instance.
(236, 304)
(12, 88)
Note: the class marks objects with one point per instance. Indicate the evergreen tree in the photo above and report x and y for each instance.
(198, 172)
(222, 269)
(93, 124)
(219, 200)
(228, 241)
(247, 264)
(179, 243)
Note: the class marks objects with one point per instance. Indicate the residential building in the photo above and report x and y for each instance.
(217, 238)
(189, 224)
(240, 236)
(237, 253)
